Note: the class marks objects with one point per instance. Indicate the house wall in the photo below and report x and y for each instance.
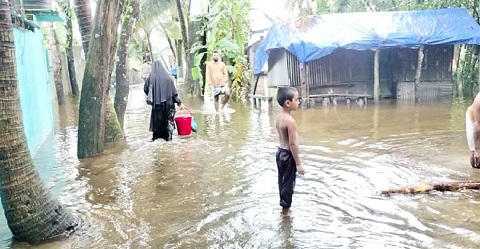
(262, 88)
(427, 90)
(436, 76)
(35, 87)
(351, 71)
(277, 68)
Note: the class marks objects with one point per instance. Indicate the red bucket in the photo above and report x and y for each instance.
(184, 123)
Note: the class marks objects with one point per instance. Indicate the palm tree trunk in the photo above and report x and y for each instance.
(57, 65)
(123, 85)
(186, 47)
(113, 129)
(169, 40)
(84, 16)
(183, 25)
(33, 215)
(178, 45)
(150, 47)
(91, 127)
(193, 85)
(72, 75)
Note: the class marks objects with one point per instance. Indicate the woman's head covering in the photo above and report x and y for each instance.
(161, 82)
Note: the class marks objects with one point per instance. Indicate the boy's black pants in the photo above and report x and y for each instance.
(287, 169)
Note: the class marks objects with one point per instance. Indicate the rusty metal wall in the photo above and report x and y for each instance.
(33, 4)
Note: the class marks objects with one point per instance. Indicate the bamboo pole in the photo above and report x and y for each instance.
(376, 76)
(418, 74)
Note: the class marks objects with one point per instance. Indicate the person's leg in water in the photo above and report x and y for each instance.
(170, 123)
(225, 98)
(154, 124)
(156, 136)
(216, 99)
(286, 179)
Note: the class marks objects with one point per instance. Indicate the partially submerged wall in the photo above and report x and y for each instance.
(35, 87)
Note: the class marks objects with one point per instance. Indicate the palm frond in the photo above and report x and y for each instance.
(151, 9)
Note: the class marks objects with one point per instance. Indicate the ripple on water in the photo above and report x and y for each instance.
(218, 187)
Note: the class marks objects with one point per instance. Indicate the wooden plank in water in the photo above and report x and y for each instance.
(260, 97)
(328, 95)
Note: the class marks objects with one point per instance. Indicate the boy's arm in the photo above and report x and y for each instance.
(294, 145)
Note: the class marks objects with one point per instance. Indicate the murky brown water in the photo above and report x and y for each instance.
(217, 189)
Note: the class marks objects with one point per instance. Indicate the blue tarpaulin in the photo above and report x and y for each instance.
(312, 37)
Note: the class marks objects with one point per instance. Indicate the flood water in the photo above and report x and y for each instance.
(217, 188)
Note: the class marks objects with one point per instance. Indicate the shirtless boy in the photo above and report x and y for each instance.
(472, 122)
(287, 157)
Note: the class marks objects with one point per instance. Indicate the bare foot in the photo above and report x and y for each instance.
(286, 212)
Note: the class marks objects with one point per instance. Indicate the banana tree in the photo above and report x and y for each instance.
(32, 213)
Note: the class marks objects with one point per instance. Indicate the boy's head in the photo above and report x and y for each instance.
(287, 97)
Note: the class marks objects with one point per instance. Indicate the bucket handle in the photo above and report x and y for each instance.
(184, 108)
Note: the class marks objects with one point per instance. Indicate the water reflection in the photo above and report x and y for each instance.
(217, 188)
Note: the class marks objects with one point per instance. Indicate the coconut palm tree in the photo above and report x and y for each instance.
(113, 129)
(84, 16)
(72, 74)
(33, 215)
(97, 75)
(129, 18)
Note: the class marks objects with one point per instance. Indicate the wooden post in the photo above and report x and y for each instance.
(303, 85)
(256, 82)
(376, 77)
(307, 85)
(418, 74)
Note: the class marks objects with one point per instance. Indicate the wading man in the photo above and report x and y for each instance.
(217, 80)
(472, 123)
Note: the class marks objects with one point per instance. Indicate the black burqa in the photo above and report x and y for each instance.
(163, 101)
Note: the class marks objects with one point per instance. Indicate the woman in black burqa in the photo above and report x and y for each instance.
(162, 96)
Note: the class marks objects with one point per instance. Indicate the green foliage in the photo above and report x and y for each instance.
(64, 30)
(228, 28)
(159, 16)
(151, 10)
